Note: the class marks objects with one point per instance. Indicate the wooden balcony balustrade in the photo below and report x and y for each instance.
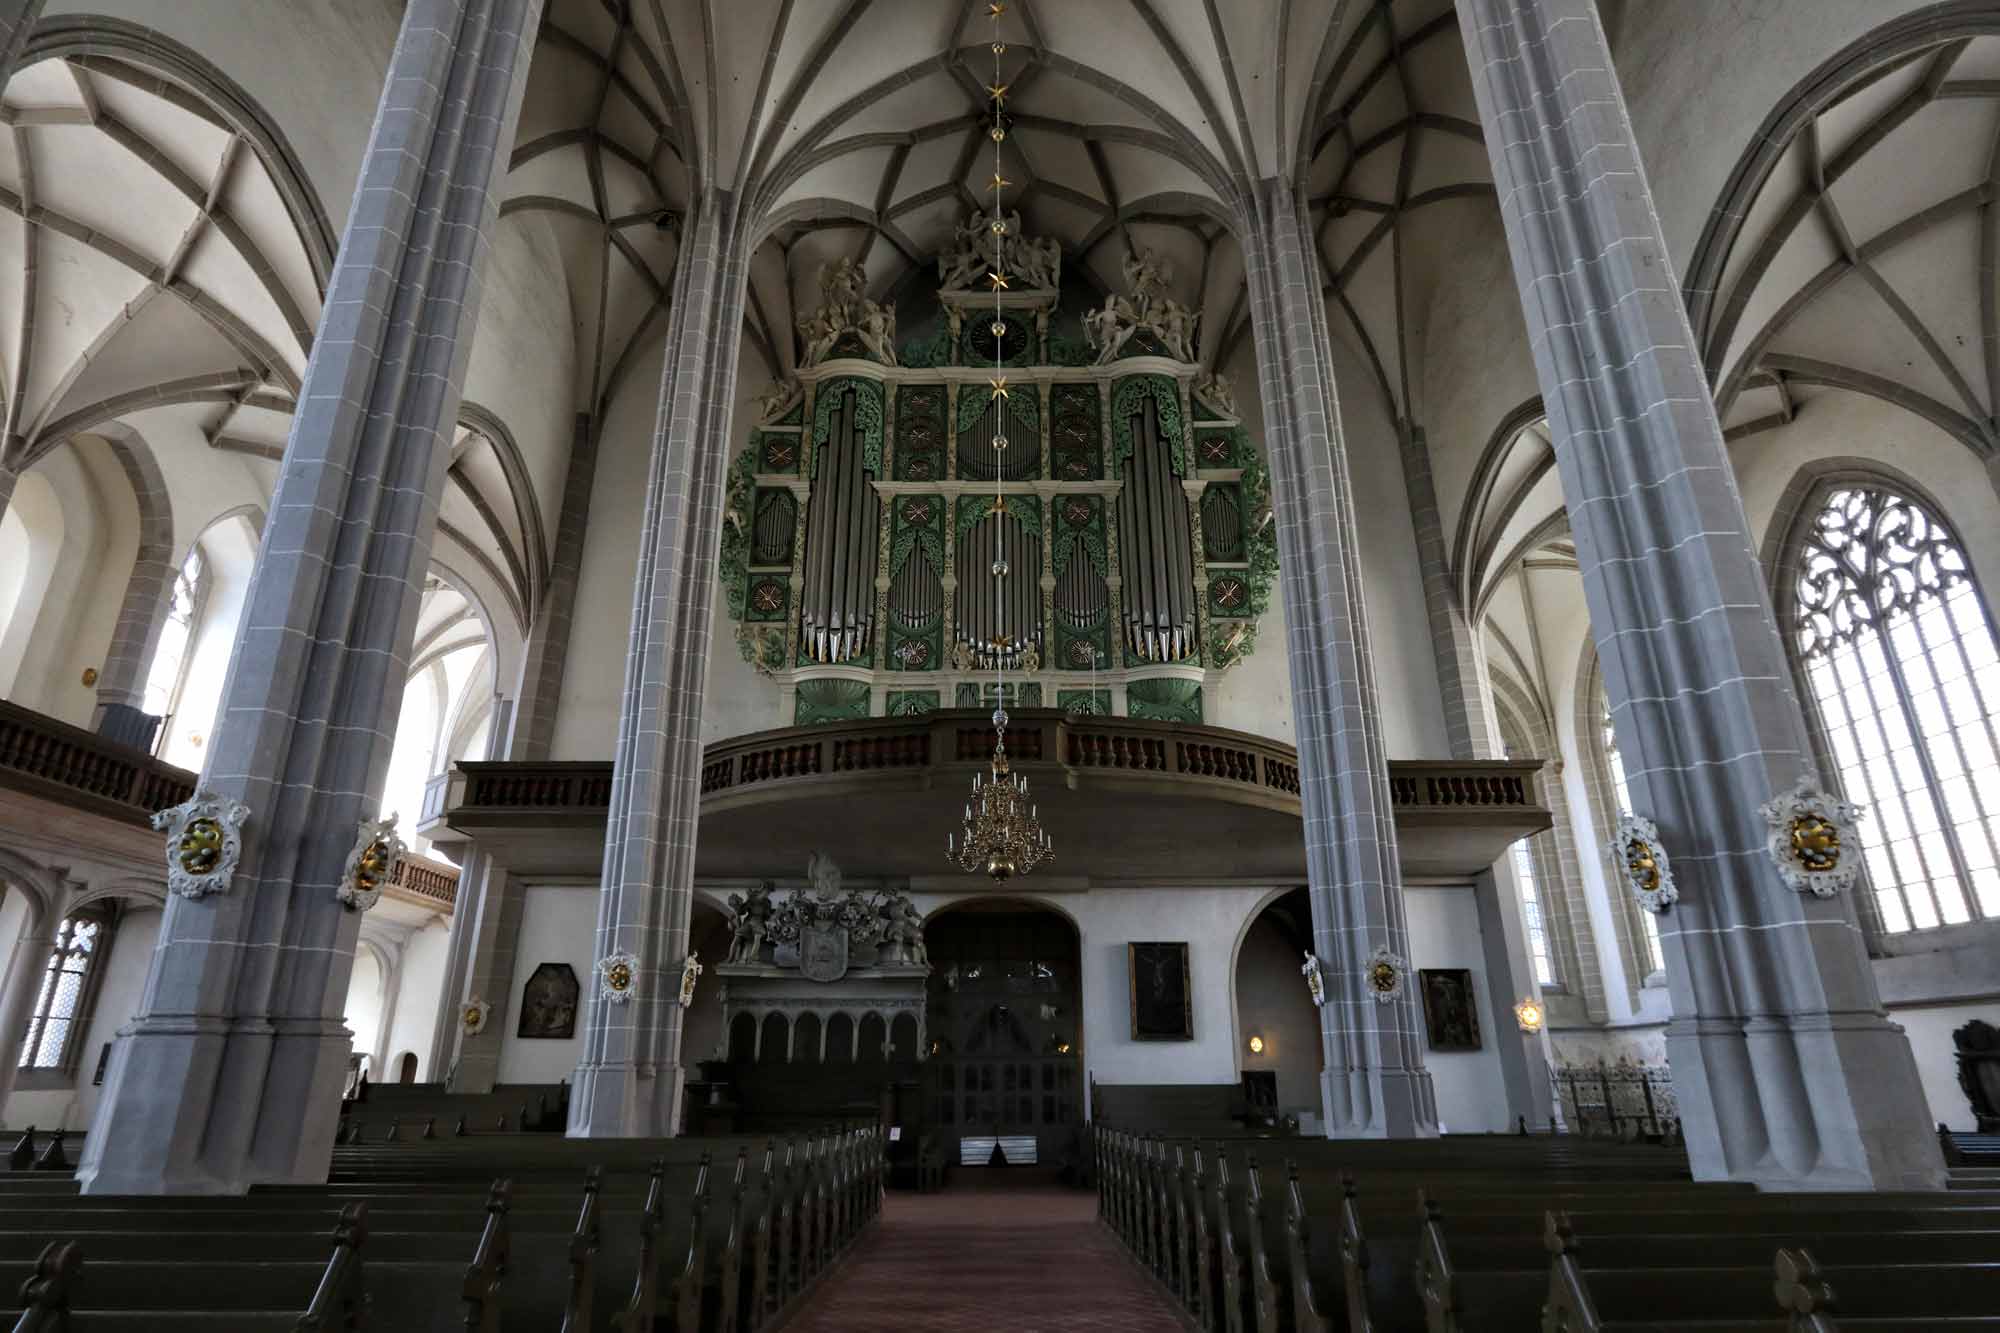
(42, 757)
(1204, 801)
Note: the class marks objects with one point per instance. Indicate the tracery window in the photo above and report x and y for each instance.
(1899, 657)
(1621, 795)
(1531, 907)
(56, 1026)
(168, 675)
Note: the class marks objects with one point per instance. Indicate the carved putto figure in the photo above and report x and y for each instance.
(1150, 310)
(902, 931)
(843, 310)
(775, 398)
(1213, 388)
(749, 923)
(1034, 262)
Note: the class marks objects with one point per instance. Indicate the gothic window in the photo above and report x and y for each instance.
(168, 675)
(1621, 796)
(1899, 658)
(55, 1029)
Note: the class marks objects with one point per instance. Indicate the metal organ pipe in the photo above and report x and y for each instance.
(1156, 561)
(838, 604)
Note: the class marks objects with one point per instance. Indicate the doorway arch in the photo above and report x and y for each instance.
(1005, 1027)
(1278, 1046)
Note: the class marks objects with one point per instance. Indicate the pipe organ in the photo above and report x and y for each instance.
(871, 507)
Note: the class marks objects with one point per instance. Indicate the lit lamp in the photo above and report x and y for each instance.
(1530, 1015)
(1256, 1045)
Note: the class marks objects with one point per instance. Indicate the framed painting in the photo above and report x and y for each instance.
(548, 1002)
(1162, 999)
(1451, 1011)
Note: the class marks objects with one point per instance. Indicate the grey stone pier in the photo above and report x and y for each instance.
(630, 1079)
(1373, 1083)
(230, 1074)
(1786, 1067)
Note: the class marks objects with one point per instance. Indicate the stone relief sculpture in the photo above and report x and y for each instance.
(1213, 389)
(1148, 310)
(750, 917)
(844, 310)
(775, 398)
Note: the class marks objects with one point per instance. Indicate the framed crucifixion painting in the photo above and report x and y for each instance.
(1162, 999)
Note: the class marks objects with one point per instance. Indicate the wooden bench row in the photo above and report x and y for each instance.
(1681, 1255)
(736, 1263)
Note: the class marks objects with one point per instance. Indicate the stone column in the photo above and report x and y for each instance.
(1373, 1082)
(230, 1074)
(629, 1082)
(1786, 1068)
(17, 23)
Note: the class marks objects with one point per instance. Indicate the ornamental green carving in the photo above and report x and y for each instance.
(1125, 401)
(910, 535)
(867, 413)
(1023, 405)
(830, 700)
(912, 703)
(1092, 542)
(972, 508)
(1164, 699)
(1084, 703)
(739, 494)
(1017, 694)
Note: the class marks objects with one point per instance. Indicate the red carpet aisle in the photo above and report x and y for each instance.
(1026, 1261)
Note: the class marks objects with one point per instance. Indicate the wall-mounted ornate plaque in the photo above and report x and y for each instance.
(1162, 998)
(548, 1002)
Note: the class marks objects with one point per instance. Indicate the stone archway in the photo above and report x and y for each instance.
(1005, 1057)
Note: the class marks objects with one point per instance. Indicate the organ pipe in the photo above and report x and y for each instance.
(1156, 556)
(990, 608)
(837, 605)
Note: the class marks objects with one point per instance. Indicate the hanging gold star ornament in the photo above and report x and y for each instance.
(996, 9)
(998, 92)
(1000, 183)
(998, 279)
(999, 386)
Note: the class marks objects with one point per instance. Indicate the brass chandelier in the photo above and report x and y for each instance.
(1001, 835)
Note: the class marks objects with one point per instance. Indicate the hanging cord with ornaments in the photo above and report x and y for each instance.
(1000, 836)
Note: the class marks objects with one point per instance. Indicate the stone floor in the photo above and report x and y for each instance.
(1027, 1257)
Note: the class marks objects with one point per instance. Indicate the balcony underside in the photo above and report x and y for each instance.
(1125, 801)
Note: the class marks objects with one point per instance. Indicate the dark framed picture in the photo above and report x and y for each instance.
(1162, 1003)
(1451, 1012)
(548, 1002)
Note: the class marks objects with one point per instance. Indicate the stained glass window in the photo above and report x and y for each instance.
(59, 1004)
(1900, 658)
(1621, 795)
(1531, 907)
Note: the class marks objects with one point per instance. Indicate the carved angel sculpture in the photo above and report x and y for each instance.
(749, 922)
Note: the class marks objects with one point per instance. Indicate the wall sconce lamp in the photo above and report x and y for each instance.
(1530, 1015)
(1256, 1045)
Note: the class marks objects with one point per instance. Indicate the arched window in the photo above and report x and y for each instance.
(1531, 907)
(168, 675)
(1621, 796)
(55, 1029)
(1899, 658)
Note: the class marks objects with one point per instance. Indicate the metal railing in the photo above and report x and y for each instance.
(1621, 1100)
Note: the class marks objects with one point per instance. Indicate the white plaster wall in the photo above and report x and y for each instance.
(32, 537)
(419, 993)
(364, 1006)
(1836, 424)
(557, 922)
(1699, 80)
(1444, 932)
(85, 588)
(1272, 1003)
(737, 699)
(117, 998)
(315, 66)
(1930, 1030)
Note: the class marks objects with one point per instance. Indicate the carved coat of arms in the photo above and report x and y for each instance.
(823, 952)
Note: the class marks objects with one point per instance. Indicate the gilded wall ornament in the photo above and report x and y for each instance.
(691, 971)
(1814, 838)
(617, 976)
(371, 865)
(1315, 980)
(204, 843)
(1643, 863)
(472, 1016)
(1385, 972)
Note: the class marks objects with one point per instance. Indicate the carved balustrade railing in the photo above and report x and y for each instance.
(950, 742)
(432, 883)
(52, 759)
